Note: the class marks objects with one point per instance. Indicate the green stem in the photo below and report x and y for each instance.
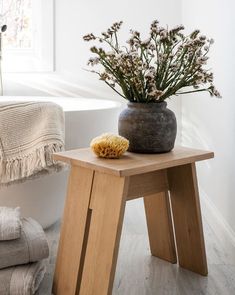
(116, 40)
(115, 89)
(192, 91)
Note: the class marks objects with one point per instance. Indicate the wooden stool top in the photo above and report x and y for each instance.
(132, 163)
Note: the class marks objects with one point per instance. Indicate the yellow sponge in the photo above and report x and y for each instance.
(109, 146)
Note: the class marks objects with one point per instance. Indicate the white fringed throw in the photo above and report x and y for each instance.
(30, 132)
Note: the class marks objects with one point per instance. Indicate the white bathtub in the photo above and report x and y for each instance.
(43, 198)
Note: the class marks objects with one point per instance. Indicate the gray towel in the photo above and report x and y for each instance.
(22, 280)
(10, 223)
(32, 246)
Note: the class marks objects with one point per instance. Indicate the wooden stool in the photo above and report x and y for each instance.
(97, 193)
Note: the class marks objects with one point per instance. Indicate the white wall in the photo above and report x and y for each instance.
(75, 18)
(209, 123)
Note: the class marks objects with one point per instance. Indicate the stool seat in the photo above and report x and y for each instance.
(98, 190)
(132, 163)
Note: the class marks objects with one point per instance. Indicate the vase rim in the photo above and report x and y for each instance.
(147, 104)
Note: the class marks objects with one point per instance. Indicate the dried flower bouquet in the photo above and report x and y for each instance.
(165, 64)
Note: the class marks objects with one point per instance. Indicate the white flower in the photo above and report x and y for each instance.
(110, 53)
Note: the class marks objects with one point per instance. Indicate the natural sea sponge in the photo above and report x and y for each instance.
(109, 146)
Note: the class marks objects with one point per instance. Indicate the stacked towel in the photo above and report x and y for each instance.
(10, 223)
(21, 280)
(21, 253)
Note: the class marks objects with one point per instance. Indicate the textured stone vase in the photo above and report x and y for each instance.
(150, 127)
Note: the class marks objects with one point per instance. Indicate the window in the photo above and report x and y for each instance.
(28, 41)
(20, 27)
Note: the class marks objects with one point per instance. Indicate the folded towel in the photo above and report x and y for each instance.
(22, 280)
(30, 132)
(10, 223)
(32, 246)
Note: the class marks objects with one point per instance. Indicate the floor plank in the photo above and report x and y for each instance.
(139, 273)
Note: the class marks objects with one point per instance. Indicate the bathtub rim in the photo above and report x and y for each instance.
(100, 104)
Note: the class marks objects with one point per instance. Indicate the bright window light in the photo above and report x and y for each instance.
(28, 41)
(18, 16)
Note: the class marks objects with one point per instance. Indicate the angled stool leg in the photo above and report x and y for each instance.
(73, 231)
(107, 203)
(187, 218)
(159, 222)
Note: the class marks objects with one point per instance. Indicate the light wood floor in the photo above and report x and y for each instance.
(138, 273)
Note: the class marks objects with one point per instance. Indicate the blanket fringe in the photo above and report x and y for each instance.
(23, 167)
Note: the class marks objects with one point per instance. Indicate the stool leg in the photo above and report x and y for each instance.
(159, 222)
(107, 203)
(73, 231)
(187, 218)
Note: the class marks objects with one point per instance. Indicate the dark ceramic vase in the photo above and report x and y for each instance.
(150, 127)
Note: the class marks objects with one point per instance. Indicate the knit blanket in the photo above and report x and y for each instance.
(30, 132)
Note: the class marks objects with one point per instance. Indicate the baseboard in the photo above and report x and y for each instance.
(219, 225)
